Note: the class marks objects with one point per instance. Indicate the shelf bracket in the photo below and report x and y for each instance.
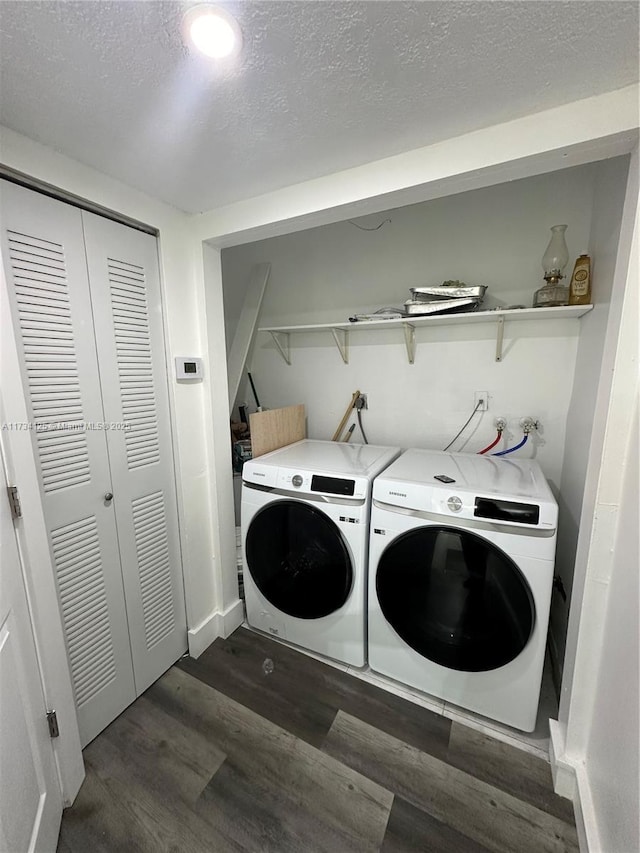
(341, 337)
(282, 341)
(410, 341)
(499, 338)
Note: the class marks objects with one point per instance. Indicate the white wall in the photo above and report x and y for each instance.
(186, 335)
(600, 670)
(611, 414)
(609, 192)
(494, 236)
(613, 745)
(220, 448)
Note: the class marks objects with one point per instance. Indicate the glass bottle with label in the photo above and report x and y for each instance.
(580, 287)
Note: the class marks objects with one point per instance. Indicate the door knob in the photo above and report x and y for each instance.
(108, 497)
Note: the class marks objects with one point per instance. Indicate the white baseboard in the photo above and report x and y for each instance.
(201, 637)
(586, 824)
(232, 618)
(220, 623)
(562, 770)
(570, 780)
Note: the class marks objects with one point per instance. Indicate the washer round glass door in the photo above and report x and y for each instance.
(298, 560)
(455, 598)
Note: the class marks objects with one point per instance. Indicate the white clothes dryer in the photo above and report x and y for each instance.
(461, 571)
(305, 535)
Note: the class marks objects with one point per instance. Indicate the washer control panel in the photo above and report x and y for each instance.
(292, 480)
(454, 503)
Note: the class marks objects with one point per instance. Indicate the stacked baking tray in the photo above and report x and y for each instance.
(444, 299)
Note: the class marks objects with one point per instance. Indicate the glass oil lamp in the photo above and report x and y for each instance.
(554, 261)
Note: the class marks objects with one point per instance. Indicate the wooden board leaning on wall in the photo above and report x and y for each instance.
(276, 428)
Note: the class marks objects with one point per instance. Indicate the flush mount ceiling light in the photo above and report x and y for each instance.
(213, 31)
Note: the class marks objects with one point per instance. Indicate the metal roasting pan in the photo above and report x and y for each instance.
(428, 294)
(441, 306)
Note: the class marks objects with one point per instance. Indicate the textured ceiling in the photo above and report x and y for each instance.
(319, 86)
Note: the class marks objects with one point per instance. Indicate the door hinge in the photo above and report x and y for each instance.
(14, 502)
(52, 721)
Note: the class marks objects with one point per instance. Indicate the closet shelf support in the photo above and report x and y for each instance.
(341, 337)
(410, 341)
(282, 341)
(499, 338)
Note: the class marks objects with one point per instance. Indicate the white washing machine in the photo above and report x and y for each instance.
(305, 535)
(461, 570)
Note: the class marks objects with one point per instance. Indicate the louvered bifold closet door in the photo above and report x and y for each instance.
(46, 276)
(125, 289)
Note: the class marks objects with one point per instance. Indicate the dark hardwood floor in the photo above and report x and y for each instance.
(219, 755)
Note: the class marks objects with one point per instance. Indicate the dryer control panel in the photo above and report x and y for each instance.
(332, 485)
(304, 481)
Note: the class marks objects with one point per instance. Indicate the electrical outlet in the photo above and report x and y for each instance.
(362, 402)
(500, 424)
(483, 398)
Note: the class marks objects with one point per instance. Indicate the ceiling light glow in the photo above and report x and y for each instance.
(213, 31)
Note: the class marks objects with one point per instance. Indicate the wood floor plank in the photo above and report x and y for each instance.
(410, 830)
(150, 770)
(310, 791)
(156, 817)
(162, 748)
(101, 821)
(87, 824)
(234, 668)
(250, 811)
(515, 771)
(267, 818)
(490, 816)
(303, 695)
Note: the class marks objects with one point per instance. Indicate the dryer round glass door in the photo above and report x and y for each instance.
(298, 560)
(455, 598)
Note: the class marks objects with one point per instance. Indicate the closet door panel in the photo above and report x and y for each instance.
(125, 289)
(46, 276)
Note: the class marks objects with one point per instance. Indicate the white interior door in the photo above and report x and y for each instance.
(30, 796)
(45, 264)
(125, 290)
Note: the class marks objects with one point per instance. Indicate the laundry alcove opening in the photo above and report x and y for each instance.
(494, 236)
